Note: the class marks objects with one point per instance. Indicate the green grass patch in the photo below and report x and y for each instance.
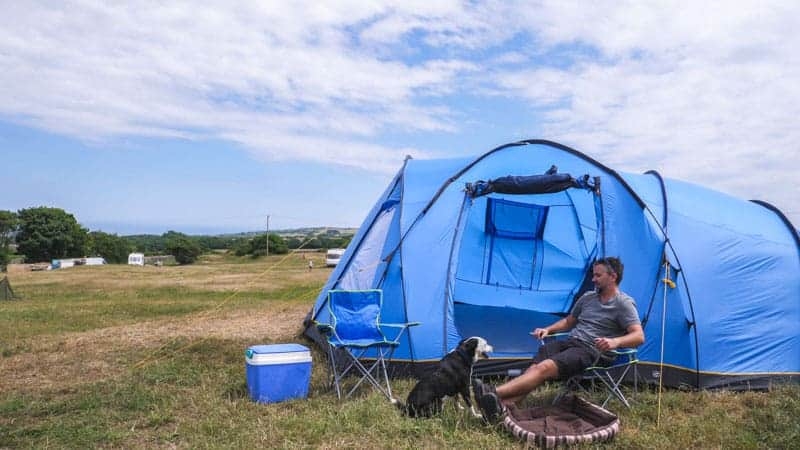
(198, 399)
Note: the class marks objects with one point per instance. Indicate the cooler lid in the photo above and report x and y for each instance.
(261, 355)
(274, 348)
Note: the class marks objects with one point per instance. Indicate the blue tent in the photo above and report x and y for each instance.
(499, 245)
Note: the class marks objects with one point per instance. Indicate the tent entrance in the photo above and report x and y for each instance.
(520, 260)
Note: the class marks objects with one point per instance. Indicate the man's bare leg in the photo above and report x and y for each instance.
(517, 388)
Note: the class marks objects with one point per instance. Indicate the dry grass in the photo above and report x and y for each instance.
(87, 357)
(70, 359)
(214, 272)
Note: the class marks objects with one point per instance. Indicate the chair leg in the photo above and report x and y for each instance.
(373, 373)
(334, 379)
(334, 373)
(370, 372)
(384, 357)
(367, 374)
(614, 386)
(338, 375)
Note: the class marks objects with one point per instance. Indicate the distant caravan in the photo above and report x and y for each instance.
(136, 259)
(333, 256)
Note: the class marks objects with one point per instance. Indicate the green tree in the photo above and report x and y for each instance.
(49, 233)
(8, 225)
(313, 242)
(182, 247)
(216, 242)
(113, 248)
(242, 247)
(293, 242)
(5, 257)
(277, 246)
(149, 244)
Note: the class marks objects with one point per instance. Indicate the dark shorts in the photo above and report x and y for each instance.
(571, 356)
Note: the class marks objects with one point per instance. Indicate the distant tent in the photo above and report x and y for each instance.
(501, 244)
(6, 293)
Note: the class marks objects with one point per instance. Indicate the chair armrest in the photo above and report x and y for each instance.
(397, 329)
(559, 335)
(623, 351)
(400, 325)
(630, 352)
(626, 355)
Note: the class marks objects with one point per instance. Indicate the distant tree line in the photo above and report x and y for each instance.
(44, 234)
(152, 244)
(330, 239)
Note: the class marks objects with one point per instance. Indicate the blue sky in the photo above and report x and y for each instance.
(203, 118)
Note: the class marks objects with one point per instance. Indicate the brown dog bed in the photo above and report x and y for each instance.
(570, 420)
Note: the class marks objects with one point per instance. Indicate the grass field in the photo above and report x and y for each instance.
(153, 357)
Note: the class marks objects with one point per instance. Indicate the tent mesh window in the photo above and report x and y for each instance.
(514, 220)
(514, 232)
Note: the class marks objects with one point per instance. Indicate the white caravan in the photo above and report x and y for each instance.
(333, 256)
(136, 259)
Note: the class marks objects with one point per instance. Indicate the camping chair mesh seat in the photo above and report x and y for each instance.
(355, 328)
(569, 420)
(609, 376)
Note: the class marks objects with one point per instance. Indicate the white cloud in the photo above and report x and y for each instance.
(696, 90)
(97, 70)
(701, 92)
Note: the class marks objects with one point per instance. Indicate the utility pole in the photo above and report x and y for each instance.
(267, 234)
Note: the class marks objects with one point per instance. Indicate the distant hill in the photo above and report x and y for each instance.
(290, 232)
(307, 238)
(297, 232)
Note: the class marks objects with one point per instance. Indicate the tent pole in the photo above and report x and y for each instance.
(668, 283)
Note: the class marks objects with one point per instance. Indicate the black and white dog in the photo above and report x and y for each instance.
(451, 376)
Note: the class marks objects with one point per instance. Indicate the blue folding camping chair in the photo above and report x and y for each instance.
(355, 328)
(610, 376)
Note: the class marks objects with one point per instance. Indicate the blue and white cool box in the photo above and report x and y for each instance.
(278, 372)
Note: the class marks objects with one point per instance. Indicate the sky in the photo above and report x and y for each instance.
(220, 117)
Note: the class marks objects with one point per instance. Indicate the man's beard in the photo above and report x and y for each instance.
(599, 289)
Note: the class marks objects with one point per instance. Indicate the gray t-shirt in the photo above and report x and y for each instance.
(596, 319)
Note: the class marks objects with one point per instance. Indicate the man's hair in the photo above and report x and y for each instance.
(612, 264)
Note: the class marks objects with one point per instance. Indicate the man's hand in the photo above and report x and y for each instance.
(634, 338)
(606, 344)
(541, 333)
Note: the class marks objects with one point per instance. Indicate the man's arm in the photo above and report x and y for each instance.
(634, 338)
(564, 324)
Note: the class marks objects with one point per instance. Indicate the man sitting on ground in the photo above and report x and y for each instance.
(601, 320)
